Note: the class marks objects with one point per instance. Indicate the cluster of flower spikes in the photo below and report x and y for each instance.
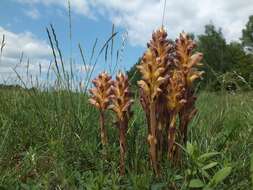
(168, 71)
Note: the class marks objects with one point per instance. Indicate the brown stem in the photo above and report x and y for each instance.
(183, 128)
(160, 141)
(122, 142)
(152, 137)
(103, 132)
(171, 136)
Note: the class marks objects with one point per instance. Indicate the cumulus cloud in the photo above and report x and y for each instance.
(36, 59)
(24, 45)
(141, 17)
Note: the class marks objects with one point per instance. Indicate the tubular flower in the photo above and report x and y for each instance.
(100, 98)
(187, 63)
(121, 102)
(154, 67)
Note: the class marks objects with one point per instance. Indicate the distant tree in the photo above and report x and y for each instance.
(241, 63)
(213, 45)
(247, 35)
(222, 59)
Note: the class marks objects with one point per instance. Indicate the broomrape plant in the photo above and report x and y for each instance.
(121, 103)
(167, 92)
(187, 62)
(154, 66)
(168, 71)
(100, 98)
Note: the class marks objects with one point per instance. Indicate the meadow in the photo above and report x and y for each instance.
(50, 140)
(50, 134)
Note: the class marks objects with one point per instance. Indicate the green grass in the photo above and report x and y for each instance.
(50, 140)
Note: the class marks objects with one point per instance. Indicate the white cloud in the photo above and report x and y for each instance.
(39, 55)
(141, 17)
(34, 49)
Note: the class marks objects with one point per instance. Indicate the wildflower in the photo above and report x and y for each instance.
(187, 63)
(100, 98)
(121, 102)
(153, 68)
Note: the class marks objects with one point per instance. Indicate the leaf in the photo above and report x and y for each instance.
(178, 177)
(196, 183)
(190, 148)
(221, 175)
(208, 166)
(208, 155)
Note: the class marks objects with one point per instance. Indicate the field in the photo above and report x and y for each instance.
(50, 140)
(126, 95)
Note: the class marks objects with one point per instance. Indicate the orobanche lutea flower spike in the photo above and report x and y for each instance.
(175, 102)
(100, 98)
(121, 102)
(154, 67)
(187, 63)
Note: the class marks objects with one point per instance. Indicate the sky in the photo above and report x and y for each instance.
(24, 23)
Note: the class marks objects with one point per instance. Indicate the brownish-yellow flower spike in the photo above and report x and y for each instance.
(175, 102)
(187, 63)
(121, 102)
(155, 63)
(187, 60)
(100, 98)
(154, 68)
(121, 97)
(100, 94)
(175, 92)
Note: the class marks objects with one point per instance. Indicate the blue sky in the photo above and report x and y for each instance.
(19, 17)
(24, 21)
